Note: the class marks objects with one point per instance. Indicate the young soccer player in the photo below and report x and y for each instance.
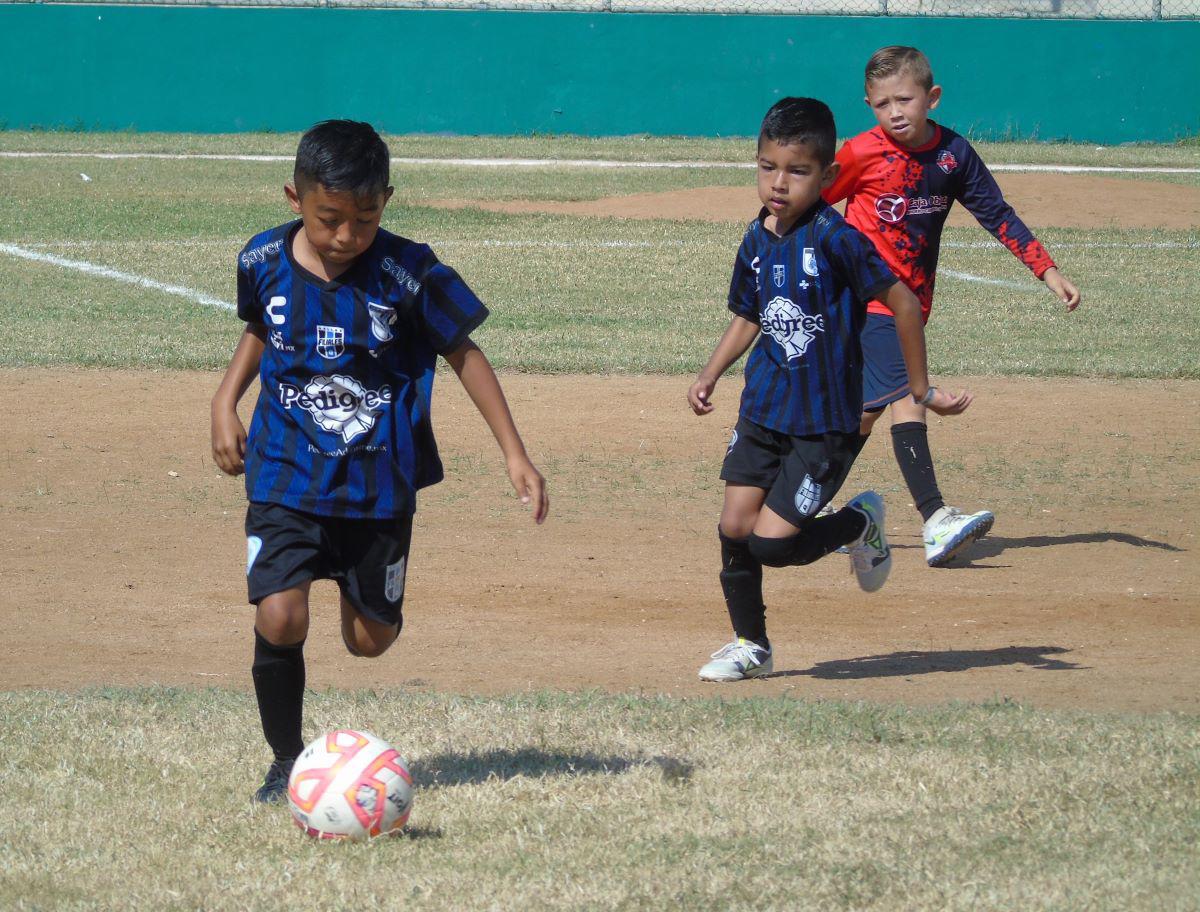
(344, 323)
(800, 286)
(901, 178)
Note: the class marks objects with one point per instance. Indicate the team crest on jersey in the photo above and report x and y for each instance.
(779, 274)
(891, 207)
(809, 261)
(946, 161)
(338, 404)
(791, 327)
(331, 341)
(393, 585)
(808, 497)
(382, 318)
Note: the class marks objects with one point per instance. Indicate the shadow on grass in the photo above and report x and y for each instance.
(904, 664)
(463, 769)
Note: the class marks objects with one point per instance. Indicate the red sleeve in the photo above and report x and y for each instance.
(844, 184)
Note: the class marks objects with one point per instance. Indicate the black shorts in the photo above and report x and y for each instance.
(799, 474)
(366, 557)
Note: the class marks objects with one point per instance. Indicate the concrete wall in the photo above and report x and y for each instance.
(232, 69)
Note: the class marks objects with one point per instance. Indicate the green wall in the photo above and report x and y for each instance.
(222, 69)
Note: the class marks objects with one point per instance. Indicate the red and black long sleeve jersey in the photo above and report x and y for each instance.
(900, 198)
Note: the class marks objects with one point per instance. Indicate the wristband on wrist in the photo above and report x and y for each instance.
(928, 397)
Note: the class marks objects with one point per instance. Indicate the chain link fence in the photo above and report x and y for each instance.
(1000, 9)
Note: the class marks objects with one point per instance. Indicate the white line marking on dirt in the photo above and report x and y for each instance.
(563, 162)
(127, 277)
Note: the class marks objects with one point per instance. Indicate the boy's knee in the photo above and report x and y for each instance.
(781, 552)
(736, 527)
(867, 422)
(370, 644)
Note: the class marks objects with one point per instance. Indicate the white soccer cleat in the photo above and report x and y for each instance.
(870, 555)
(949, 531)
(737, 661)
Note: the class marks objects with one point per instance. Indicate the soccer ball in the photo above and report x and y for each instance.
(349, 785)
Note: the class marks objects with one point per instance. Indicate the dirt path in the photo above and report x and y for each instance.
(1059, 200)
(115, 570)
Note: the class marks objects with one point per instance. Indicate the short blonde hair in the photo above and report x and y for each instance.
(896, 59)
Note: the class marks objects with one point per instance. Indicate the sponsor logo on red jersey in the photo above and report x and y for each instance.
(891, 207)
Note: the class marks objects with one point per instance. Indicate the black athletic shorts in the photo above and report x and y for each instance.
(366, 557)
(799, 474)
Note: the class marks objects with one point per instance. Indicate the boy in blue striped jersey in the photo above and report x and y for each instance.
(800, 286)
(345, 321)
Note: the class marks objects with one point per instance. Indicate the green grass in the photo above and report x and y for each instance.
(138, 799)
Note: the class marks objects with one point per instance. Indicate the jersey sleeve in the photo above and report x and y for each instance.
(446, 308)
(249, 307)
(981, 195)
(847, 177)
(860, 264)
(743, 286)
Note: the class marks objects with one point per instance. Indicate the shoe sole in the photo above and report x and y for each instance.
(971, 535)
(878, 574)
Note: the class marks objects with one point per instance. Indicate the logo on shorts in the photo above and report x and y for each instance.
(809, 261)
(330, 341)
(393, 586)
(946, 161)
(253, 546)
(732, 442)
(791, 327)
(891, 207)
(779, 274)
(808, 497)
(338, 404)
(382, 318)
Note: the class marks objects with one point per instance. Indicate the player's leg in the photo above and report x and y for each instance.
(371, 571)
(751, 462)
(284, 556)
(947, 531)
(792, 531)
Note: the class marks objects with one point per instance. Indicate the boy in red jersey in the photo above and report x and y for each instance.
(900, 180)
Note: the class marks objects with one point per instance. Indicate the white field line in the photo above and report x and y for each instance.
(561, 162)
(127, 277)
(985, 280)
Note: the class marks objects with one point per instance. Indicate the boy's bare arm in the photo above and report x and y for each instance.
(228, 432)
(479, 380)
(910, 328)
(738, 336)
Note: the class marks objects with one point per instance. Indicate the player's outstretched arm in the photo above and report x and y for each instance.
(738, 336)
(911, 330)
(479, 380)
(1062, 288)
(228, 432)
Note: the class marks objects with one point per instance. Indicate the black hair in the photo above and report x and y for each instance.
(343, 155)
(792, 121)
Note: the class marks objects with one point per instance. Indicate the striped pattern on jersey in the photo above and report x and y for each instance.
(342, 425)
(807, 292)
(900, 198)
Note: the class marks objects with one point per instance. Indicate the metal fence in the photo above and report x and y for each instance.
(999, 9)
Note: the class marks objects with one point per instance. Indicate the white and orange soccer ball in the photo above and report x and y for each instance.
(350, 785)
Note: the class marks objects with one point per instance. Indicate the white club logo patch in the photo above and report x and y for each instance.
(253, 546)
(330, 341)
(393, 586)
(791, 327)
(382, 319)
(809, 261)
(338, 404)
(808, 497)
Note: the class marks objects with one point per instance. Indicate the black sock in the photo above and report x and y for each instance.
(910, 441)
(278, 673)
(819, 537)
(741, 581)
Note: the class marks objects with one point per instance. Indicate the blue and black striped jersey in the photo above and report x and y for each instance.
(342, 424)
(808, 292)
